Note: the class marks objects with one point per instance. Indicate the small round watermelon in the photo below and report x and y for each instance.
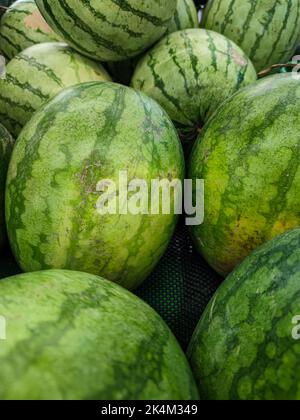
(109, 30)
(23, 26)
(36, 75)
(6, 146)
(190, 73)
(89, 137)
(249, 157)
(246, 346)
(267, 30)
(75, 336)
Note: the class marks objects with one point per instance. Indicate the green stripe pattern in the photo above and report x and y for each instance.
(6, 146)
(185, 17)
(75, 336)
(109, 30)
(267, 30)
(36, 75)
(243, 347)
(249, 158)
(86, 135)
(190, 73)
(23, 26)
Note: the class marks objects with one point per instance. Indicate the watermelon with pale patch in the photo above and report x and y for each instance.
(267, 30)
(249, 157)
(36, 75)
(23, 26)
(75, 336)
(109, 30)
(83, 140)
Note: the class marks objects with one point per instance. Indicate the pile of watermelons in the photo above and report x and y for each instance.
(100, 101)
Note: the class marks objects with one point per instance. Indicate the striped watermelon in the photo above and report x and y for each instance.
(185, 17)
(23, 26)
(75, 336)
(6, 146)
(109, 30)
(191, 72)
(267, 30)
(249, 158)
(94, 131)
(245, 346)
(36, 75)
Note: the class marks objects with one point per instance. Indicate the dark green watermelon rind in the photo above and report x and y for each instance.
(243, 346)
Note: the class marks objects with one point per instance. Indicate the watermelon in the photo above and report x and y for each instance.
(249, 158)
(23, 26)
(191, 72)
(109, 30)
(185, 17)
(76, 336)
(6, 146)
(95, 132)
(36, 75)
(267, 30)
(245, 346)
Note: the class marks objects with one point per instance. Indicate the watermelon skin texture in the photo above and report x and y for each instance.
(36, 75)
(22, 26)
(190, 73)
(75, 336)
(185, 17)
(267, 30)
(6, 147)
(110, 30)
(248, 155)
(94, 131)
(243, 347)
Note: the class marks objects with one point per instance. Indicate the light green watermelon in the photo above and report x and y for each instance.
(109, 30)
(267, 30)
(190, 73)
(75, 336)
(6, 146)
(36, 75)
(86, 135)
(23, 26)
(249, 157)
(246, 346)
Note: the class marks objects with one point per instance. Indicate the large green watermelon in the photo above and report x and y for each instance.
(246, 345)
(86, 135)
(36, 75)
(267, 30)
(185, 17)
(191, 72)
(249, 157)
(6, 146)
(109, 30)
(72, 335)
(23, 26)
